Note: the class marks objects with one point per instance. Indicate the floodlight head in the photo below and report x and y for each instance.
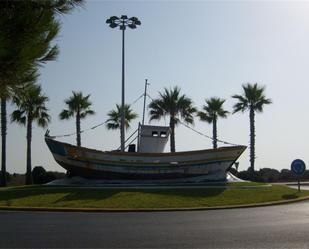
(114, 18)
(137, 22)
(113, 25)
(132, 26)
(123, 22)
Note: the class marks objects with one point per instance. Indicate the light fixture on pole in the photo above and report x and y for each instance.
(123, 22)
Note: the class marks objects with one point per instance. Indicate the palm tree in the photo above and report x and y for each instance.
(114, 117)
(212, 111)
(170, 102)
(31, 104)
(252, 99)
(6, 92)
(80, 107)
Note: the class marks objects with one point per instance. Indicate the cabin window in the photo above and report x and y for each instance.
(155, 134)
(163, 134)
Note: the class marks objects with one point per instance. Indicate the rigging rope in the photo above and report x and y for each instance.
(204, 135)
(74, 133)
(131, 141)
(137, 99)
(128, 139)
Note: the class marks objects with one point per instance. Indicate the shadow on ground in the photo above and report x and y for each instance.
(289, 196)
(84, 194)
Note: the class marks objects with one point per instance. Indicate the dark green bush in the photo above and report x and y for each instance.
(38, 175)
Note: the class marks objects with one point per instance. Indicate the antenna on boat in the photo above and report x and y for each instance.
(145, 95)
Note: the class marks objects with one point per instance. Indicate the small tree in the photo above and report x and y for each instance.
(38, 174)
(80, 107)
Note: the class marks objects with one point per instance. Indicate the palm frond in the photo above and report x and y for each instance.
(66, 114)
(43, 120)
(213, 109)
(171, 102)
(252, 98)
(112, 126)
(31, 102)
(205, 117)
(86, 113)
(18, 116)
(114, 117)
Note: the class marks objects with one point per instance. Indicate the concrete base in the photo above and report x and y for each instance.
(200, 180)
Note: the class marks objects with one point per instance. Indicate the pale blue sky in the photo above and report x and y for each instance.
(208, 48)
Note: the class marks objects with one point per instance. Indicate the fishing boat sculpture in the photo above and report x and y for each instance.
(148, 161)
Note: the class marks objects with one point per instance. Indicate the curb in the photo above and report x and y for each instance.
(146, 186)
(150, 187)
(107, 210)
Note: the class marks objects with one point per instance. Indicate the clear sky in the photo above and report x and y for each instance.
(208, 48)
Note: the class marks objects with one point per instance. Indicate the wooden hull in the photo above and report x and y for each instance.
(94, 164)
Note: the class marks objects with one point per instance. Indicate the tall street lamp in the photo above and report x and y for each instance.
(123, 22)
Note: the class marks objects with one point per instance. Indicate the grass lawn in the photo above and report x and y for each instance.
(40, 196)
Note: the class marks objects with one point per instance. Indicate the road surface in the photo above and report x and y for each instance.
(284, 226)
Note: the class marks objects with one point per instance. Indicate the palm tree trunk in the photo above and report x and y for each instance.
(3, 137)
(214, 132)
(29, 138)
(78, 138)
(252, 140)
(172, 126)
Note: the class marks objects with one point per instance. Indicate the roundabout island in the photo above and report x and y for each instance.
(164, 197)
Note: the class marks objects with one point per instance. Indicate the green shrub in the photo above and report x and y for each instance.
(38, 175)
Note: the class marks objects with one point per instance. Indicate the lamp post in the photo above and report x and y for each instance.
(123, 22)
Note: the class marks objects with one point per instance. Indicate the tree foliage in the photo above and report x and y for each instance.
(175, 105)
(27, 31)
(78, 106)
(41, 176)
(114, 117)
(253, 98)
(31, 106)
(212, 110)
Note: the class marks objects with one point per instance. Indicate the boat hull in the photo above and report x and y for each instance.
(94, 164)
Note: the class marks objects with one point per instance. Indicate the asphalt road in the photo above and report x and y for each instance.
(284, 226)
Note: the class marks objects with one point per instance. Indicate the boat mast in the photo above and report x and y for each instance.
(145, 95)
(143, 120)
